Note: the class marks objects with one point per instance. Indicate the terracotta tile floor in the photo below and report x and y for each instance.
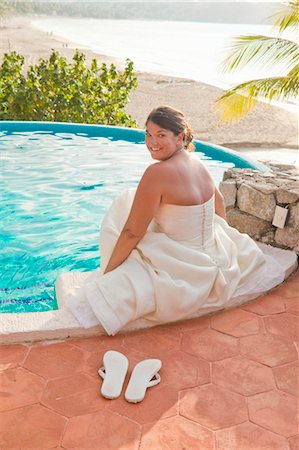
(229, 382)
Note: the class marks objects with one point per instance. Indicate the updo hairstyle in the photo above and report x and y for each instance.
(173, 120)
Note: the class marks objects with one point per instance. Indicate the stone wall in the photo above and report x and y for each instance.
(251, 198)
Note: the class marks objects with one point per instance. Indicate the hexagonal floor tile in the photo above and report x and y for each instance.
(93, 363)
(293, 306)
(19, 387)
(266, 305)
(236, 322)
(242, 375)
(275, 411)
(199, 323)
(287, 378)
(160, 401)
(268, 349)
(155, 342)
(31, 427)
(55, 360)
(74, 396)
(210, 344)
(213, 407)
(184, 371)
(12, 355)
(287, 290)
(98, 343)
(285, 325)
(176, 433)
(101, 431)
(294, 442)
(248, 436)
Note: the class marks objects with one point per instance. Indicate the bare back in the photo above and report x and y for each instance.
(185, 180)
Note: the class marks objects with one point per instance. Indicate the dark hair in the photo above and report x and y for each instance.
(173, 120)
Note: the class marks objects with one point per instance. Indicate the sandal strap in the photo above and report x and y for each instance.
(156, 381)
(102, 372)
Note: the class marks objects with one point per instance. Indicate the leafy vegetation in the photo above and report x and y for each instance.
(5, 8)
(268, 52)
(56, 90)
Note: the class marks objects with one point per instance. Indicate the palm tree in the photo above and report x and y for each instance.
(266, 51)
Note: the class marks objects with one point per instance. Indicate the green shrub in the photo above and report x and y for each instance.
(56, 90)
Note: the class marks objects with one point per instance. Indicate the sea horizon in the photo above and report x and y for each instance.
(190, 50)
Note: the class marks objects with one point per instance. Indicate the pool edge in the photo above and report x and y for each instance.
(60, 324)
(40, 326)
(125, 133)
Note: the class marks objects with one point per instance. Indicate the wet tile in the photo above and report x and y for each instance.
(275, 411)
(213, 407)
(248, 436)
(183, 371)
(242, 375)
(209, 344)
(287, 378)
(236, 322)
(56, 360)
(155, 342)
(12, 355)
(268, 349)
(31, 427)
(107, 431)
(176, 433)
(266, 305)
(159, 402)
(285, 325)
(74, 396)
(19, 387)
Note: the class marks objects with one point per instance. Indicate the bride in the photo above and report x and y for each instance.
(167, 252)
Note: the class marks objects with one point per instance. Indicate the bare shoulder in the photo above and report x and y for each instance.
(202, 167)
(151, 182)
(154, 171)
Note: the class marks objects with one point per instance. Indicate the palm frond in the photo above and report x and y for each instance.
(233, 108)
(262, 50)
(242, 99)
(288, 17)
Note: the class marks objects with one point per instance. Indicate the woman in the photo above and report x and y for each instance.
(167, 251)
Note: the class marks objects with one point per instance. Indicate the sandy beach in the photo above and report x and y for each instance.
(267, 127)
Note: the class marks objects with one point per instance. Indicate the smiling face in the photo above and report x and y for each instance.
(160, 142)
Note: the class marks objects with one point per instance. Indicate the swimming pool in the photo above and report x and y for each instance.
(58, 181)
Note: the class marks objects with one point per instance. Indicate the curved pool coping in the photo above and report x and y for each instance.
(135, 135)
(60, 323)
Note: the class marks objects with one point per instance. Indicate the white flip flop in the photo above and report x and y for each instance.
(141, 379)
(113, 373)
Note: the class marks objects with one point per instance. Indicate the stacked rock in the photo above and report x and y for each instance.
(264, 205)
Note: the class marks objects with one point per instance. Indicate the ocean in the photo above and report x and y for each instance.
(191, 50)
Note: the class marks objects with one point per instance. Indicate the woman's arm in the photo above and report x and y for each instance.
(146, 202)
(219, 204)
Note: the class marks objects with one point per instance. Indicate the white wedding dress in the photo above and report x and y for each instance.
(189, 263)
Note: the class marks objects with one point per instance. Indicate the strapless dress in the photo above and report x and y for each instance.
(189, 263)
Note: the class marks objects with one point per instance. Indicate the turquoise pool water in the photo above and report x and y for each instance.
(56, 186)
